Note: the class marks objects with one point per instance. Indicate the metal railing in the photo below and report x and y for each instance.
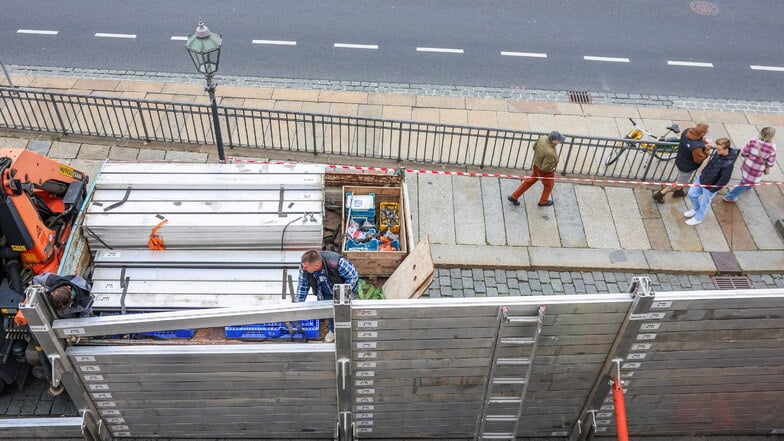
(319, 134)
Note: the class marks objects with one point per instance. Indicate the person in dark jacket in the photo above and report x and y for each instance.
(693, 148)
(716, 175)
(69, 295)
(320, 271)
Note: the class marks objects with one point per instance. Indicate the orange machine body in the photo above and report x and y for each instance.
(33, 188)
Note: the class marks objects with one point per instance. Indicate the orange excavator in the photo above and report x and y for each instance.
(39, 201)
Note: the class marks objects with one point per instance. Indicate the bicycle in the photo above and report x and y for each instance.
(638, 133)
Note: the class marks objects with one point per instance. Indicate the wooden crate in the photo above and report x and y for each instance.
(377, 263)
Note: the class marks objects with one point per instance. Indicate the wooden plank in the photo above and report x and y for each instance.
(410, 279)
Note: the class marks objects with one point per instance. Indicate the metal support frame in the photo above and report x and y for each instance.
(640, 290)
(345, 424)
(40, 317)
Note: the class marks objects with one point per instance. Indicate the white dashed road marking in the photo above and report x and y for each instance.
(276, 42)
(103, 35)
(523, 54)
(36, 31)
(439, 49)
(179, 38)
(356, 46)
(771, 68)
(610, 59)
(689, 64)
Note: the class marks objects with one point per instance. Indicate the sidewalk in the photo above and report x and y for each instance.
(469, 221)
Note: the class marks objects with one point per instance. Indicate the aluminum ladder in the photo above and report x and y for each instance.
(515, 342)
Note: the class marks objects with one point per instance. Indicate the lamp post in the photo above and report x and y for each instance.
(204, 49)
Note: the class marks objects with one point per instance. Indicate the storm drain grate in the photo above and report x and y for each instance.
(576, 97)
(732, 282)
(704, 8)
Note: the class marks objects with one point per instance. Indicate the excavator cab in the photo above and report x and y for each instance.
(40, 199)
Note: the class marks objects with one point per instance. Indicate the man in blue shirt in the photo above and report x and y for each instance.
(320, 271)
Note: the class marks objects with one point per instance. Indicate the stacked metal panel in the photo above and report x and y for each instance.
(144, 280)
(233, 237)
(250, 391)
(207, 206)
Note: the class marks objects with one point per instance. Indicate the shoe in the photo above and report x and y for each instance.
(693, 221)
(329, 338)
(546, 204)
(731, 201)
(689, 213)
(678, 193)
(658, 196)
(514, 201)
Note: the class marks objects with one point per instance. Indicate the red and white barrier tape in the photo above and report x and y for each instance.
(508, 176)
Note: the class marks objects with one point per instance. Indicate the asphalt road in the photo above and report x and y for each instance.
(633, 46)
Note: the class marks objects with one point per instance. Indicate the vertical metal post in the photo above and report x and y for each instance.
(215, 119)
(144, 125)
(342, 299)
(484, 150)
(7, 77)
(313, 128)
(57, 112)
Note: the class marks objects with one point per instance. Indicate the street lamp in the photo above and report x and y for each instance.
(204, 49)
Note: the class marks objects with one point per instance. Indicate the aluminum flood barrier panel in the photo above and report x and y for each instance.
(693, 363)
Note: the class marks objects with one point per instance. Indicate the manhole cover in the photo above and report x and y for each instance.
(704, 8)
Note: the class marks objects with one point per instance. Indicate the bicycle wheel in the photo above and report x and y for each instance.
(616, 152)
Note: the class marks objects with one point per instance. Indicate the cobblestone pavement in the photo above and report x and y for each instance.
(34, 401)
(456, 282)
(673, 102)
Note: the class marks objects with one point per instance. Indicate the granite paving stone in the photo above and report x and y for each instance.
(710, 233)
(771, 196)
(40, 147)
(597, 219)
(733, 227)
(627, 219)
(759, 224)
(436, 214)
(63, 150)
(515, 218)
(493, 210)
(542, 225)
(567, 213)
(682, 237)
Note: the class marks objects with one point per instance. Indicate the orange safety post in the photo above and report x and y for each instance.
(620, 410)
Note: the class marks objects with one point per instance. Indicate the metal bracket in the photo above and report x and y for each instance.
(57, 369)
(91, 428)
(342, 294)
(344, 366)
(640, 287)
(618, 362)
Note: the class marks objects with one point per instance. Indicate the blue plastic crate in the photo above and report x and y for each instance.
(309, 327)
(254, 331)
(177, 333)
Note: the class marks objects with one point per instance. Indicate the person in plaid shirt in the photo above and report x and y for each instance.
(759, 156)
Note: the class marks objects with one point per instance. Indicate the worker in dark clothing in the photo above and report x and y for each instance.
(320, 271)
(69, 295)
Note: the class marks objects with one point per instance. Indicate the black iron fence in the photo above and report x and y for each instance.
(403, 141)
